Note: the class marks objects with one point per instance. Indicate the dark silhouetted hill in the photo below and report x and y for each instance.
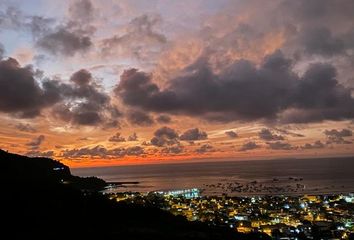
(20, 170)
(40, 199)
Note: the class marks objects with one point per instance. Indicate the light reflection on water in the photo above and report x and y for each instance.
(288, 176)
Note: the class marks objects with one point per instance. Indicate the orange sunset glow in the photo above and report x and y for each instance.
(146, 82)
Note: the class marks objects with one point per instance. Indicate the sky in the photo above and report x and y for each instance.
(100, 83)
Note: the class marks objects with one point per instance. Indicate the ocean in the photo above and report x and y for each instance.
(234, 178)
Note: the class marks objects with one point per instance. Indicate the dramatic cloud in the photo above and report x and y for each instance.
(316, 145)
(35, 143)
(166, 132)
(84, 103)
(278, 70)
(231, 134)
(140, 118)
(267, 135)
(73, 36)
(172, 150)
(163, 119)
(249, 146)
(100, 151)
(321, 41)
(193, 134)
(244, 92)
(47, 154)
(64, 42)
(317, 25)
(81, 103)
(65, 38)
(81, 77)
(117, 138)
(25, 128)
(286, 132)
(20, 93)
(205, 148)
(140, 41)
(335, 136)
(133, 137)
(164, 136)
(278, 145)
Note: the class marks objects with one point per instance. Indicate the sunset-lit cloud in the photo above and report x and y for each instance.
(109, 82)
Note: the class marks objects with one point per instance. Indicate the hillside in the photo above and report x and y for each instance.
(40, 199)
(20, 170)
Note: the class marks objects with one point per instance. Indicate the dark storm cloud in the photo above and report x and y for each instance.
(116, 138)
(266, 134)
(136, 89)
(316, 145)
(313, 10)
(321, 41)
(59, 38)
(80, 114)
(65, 42)
(35, 143)
(320, 92)
(336, 136)
(87, 117)
(163, 119)
(133, 137)
(141, 40)
(278, 145)
(134, 151)
(167, 132)
(205, 148)
(249, 146)
(68, 38)
(100, 151)
(323, 28)
(84, 103)
(140, 118)
(81, 77)
(164, 136)
(231, 134)
(290, 133)
(193, 134)
(243, 91)
(272, 90)
(72, 36)
(172, 150)
(342, 133)
(160, 142)
(25, 127)
(20, 94)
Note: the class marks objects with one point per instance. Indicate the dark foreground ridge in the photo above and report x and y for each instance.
(40, 199)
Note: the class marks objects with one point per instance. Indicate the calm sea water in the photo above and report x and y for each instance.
(287, 176)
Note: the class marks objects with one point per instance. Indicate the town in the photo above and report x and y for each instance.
(281, 217)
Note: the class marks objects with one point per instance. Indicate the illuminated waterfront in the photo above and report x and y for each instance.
(237, 178)
(286, 217)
